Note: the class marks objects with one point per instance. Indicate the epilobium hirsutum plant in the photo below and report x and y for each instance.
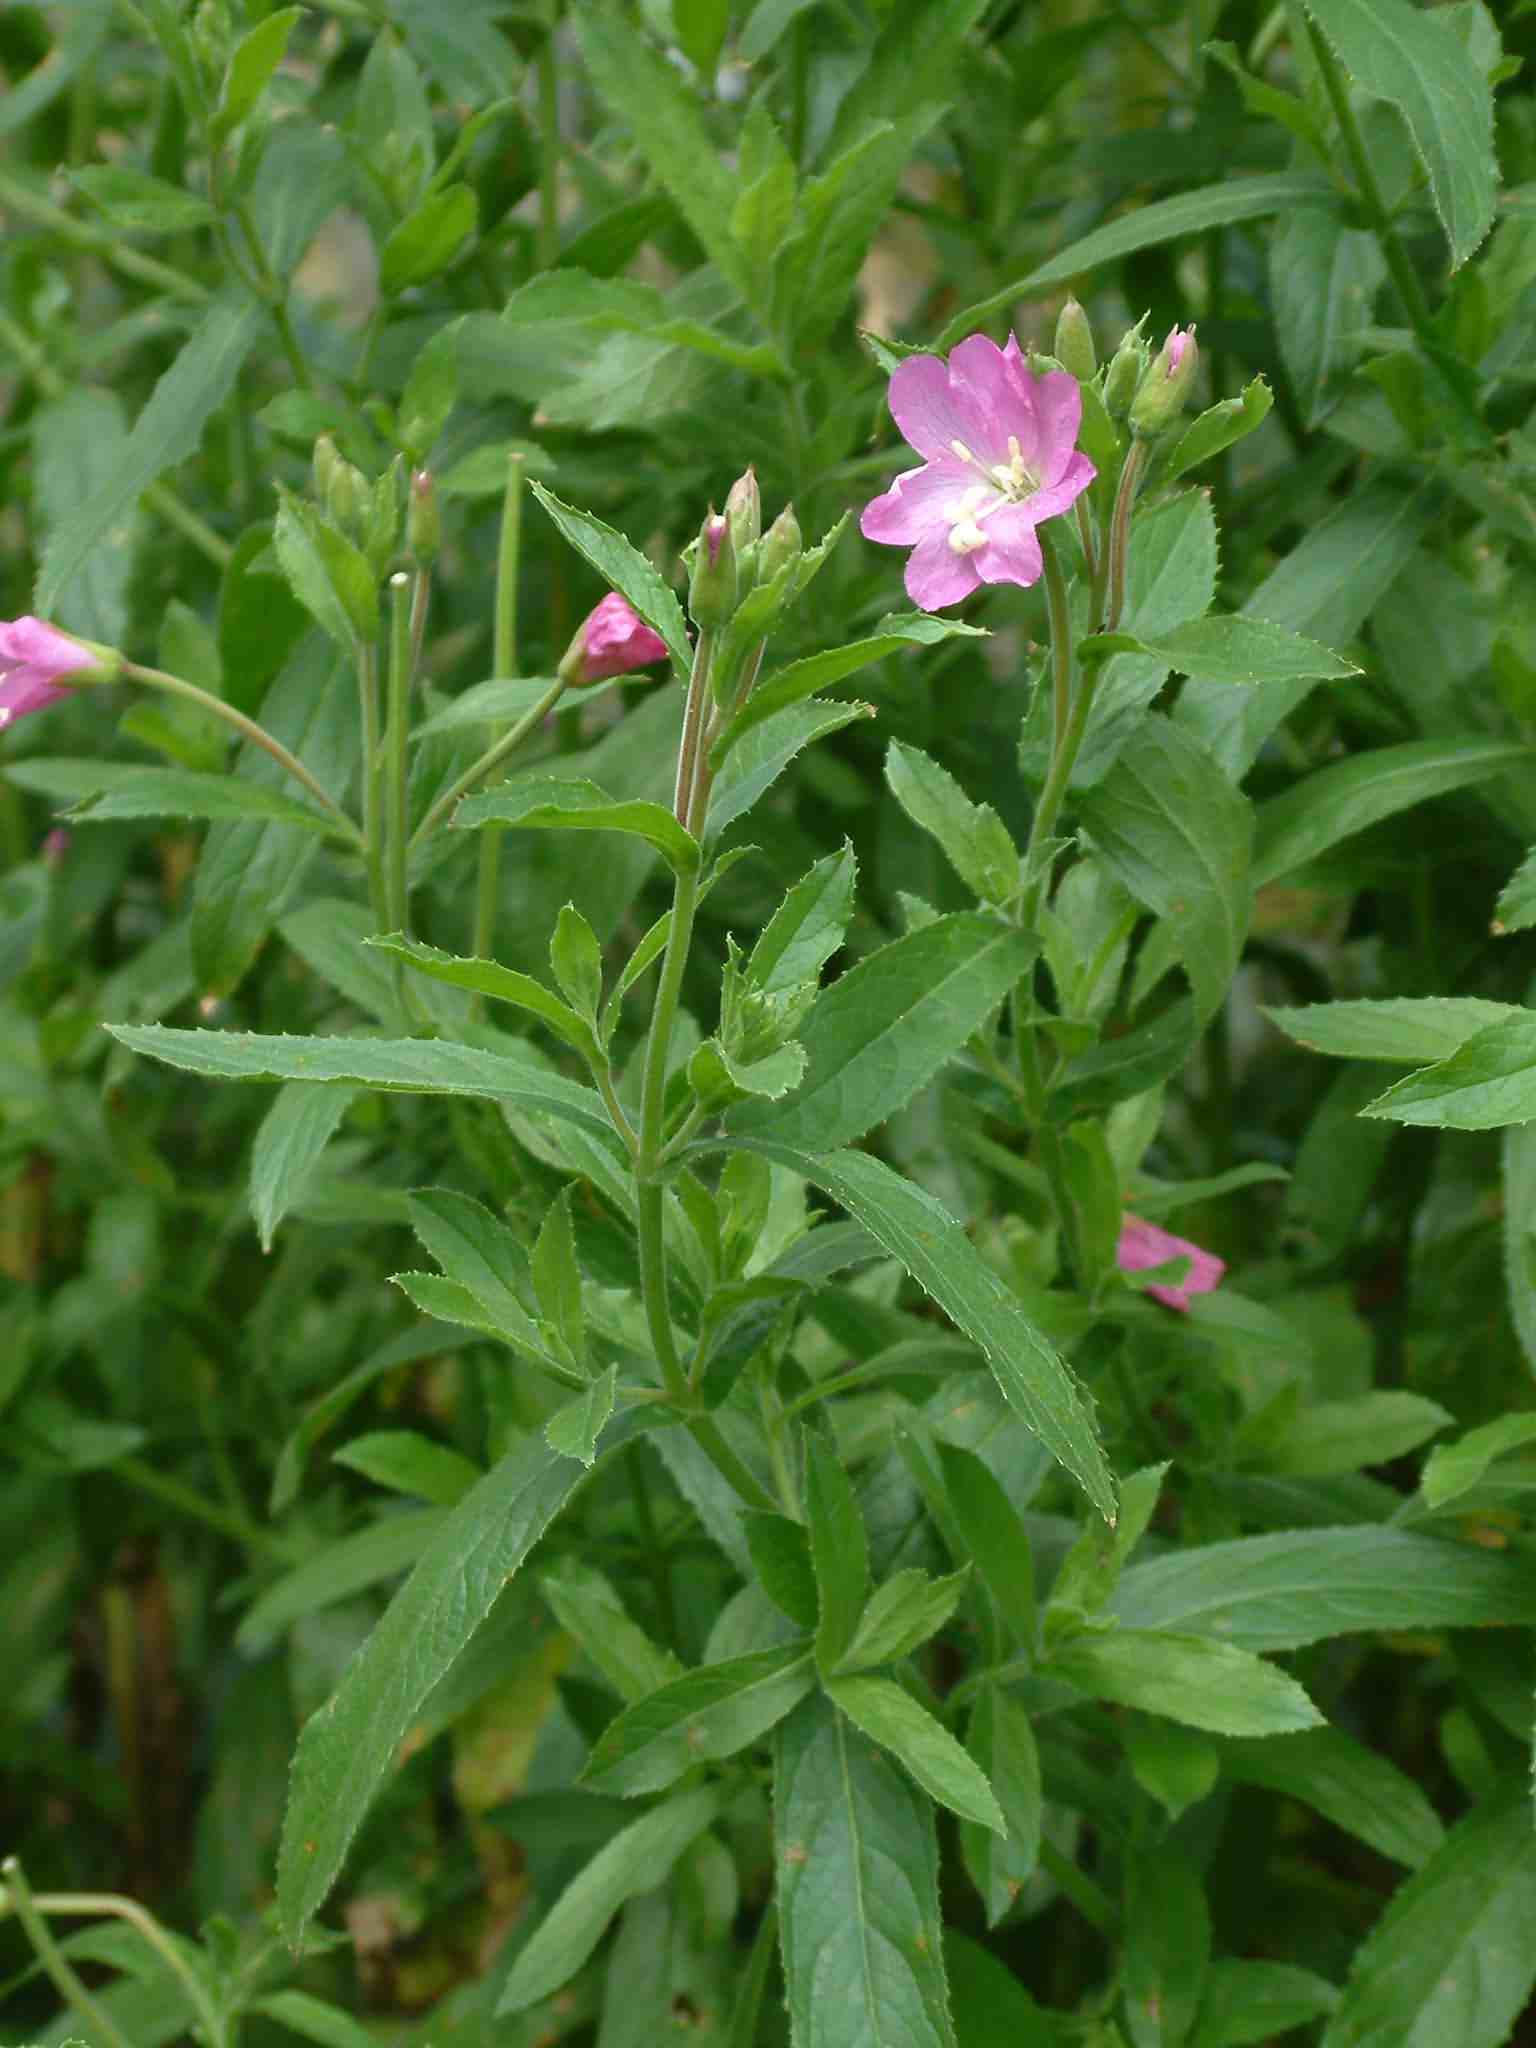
(779, 1413)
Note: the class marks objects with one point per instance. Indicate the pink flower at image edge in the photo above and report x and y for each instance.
(615, 639)
(34, 660)
(999, 456)
(1143, 1245)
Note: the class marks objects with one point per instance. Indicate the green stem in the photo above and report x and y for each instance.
(746, 2014)
(401, 669)
(178, 686)
(503, 663)
(97, 241)
(274, 295)
(1069, 718)
(18, 1894)
(650, 1541)
(548, 244)
(1404, 276)
(89, 1905)
(491, 759)
(1119, 544)
(190, 1502)
(373, 779)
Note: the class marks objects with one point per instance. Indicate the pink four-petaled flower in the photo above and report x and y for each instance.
(1143, 1245)
(612, 640)
(35, 658)
(999, 456)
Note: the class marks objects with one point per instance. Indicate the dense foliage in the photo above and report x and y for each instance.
(602, 1437)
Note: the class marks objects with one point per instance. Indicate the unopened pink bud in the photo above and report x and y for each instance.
(610, 641)
(1142, 1245)
(37, 661)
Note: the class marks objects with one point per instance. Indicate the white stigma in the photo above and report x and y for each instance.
(962, 451)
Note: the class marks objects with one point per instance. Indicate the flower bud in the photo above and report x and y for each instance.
(781, 545)
(1164, 388)
(1127, 367)
(1074, 342)
(39, 665)
(713, 590)
(744, 509)
(423, 521)
(610, 641)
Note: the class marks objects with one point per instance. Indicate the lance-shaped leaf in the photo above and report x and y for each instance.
(502, 984)
(293, 1134)
(1406, 1030)
(627, 570)
(1229, 650)
(1486, 1083)
(1191, 1679)
(975, 841)
(543, 802)
(707, 1714)
(891, 1717)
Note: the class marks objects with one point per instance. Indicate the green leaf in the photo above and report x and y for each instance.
(1451, 1959)
(638, 1859)
(408, 1462)
(1219, 427)
(78, 443)
(1323, 276)
(839, 1551)
(1347, 796)
(894, 1719)
(1247, 2003)
(502, 984)
(1356, 1788)
(573, 1430)
(1406, 1029)
(429, 394)
(702, 1717)
(331, 935)
(781, 1556)
(348, 1748)
(352, 1565)
(557, 1275)
(975, 841)
(477, 1252)
(1176, 1765)
(133, 201)
(544, 802)
(587, 1607)
(901, 1615)
(184, 793)
(627, 570)
(1167, 1946)
(808, 926)
(1188, 1678)
(1414, 58)
(921, 1233)
(576, 961)
(1489, 1081)
(804, 678)
(1279, 1592)
(761, 756)
(327, 573)
(885, 1028)
(427, 241)
(314, 2020)
(1516, 908)
(647, 95)
(413, 1066)
(256, 56)
(293, 1134)
(1229, 650)
(994, 1538)
(1001, 1743)
(1166, 220)
(166, 432)
(1177, 833)
(1344, 1436)
(1454, 1469)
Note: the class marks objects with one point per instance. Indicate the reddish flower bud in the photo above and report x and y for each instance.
(610, 641)
(37, 661)
(1143, 1245)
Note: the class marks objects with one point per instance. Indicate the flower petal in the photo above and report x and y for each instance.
(937, 576)
(986, 393)
(40, 648)
(1068, 487)
(1058, 403)
(914, 504)
(1012, 552)
(925, 408)
(1143, 1245)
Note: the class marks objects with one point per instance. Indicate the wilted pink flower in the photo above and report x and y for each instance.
(611, 640)
(998, 452)
(1143, 1245)
(34, 659)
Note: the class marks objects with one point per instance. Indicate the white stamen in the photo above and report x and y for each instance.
(5, 715)
(962, 451)
(966, 537)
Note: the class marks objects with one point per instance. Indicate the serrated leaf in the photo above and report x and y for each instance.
(347, 1749)
(974, 839)
(587, 1607)
(1413, 58)
(704, 1716)
(894, 1719)
(839, 1551)
(139, 203)
(1167, 1946)
(808, 926)
(502, 984)
(1323, 277)
(1248, 2003)
(1516, 908)
(573, 1430)
(1189, 1678)
(576, 961)
(1489, 1081)
(994, 1537)
(761, 756)
(1344, 1436)
(185, 793)
(857, 1889)
(254, 59)
(1229, 650)
(1406, 1029)
(636, 1860)
(1001, 1742)
(428, 240)
(626, 569)
(901, 1615)
(1347, 796)
(326, 572)
(1453, 1469)
(549, 804)
(1356, 1788)
(407, 1462)
(887, 1026)
(293, 1134)
(1219, 427)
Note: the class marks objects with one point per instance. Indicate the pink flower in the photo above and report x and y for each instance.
(34, 659)
(998, 457)
(1179, 339)
(1142, 1245)
(611, 640)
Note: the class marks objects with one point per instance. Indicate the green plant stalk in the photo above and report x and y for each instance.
(89, 1905)
(1069, 718)
(548, 244)
(397, 777)
(689, 746)
(18, 1895)
(746, 2014)
(1118, 546)
(274, 296)
(491, 759)
(190, 1502)
(503, 663)
(1404, 276)
(367, 660)
(178, 686)
(95, 241)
